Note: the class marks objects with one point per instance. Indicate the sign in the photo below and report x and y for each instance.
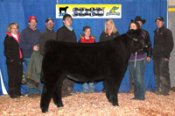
(89, 10)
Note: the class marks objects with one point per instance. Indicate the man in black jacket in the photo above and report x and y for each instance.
(66, 34)
(48, 34)
(163, 45)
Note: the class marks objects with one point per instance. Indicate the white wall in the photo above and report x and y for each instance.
(171, 26)
(171, 2)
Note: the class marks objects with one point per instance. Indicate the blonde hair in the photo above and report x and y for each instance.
(10, 26)
(113, 24)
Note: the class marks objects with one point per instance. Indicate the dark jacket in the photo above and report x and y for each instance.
(65, 35)
(29, 38)
(146, 42)
(34, 70)
(11, 50)
(104, 36)
(147, 50)
(163, 43)
(45, 36)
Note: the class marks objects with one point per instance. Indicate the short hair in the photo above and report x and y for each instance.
(67, 16)
(48, 19)
(86, 27)
(11, 24)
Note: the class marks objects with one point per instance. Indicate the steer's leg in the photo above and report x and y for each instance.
(112, 86)
(46, 97)
(118, 83)
(48, 90)
(57, 97)
(113, 93)
(106, 87)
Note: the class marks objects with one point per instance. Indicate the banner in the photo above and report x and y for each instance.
(4, 91)
(89, 10)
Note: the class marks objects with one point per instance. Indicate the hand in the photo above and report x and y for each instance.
(166, 59)
(148, 59)
(11, 61)
(35, 48)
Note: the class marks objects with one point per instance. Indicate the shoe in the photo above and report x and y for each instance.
(14, 96)
(165, 94)
(158, 93)
(33, 95)
(138, 98)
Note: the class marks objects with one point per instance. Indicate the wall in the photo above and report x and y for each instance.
(19, 11)
(171, 26)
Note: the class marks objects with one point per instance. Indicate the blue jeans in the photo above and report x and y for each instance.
(89, 87)
(162, 75)
(35, 90)
(137, 73)
(25, 64)
(24, 88)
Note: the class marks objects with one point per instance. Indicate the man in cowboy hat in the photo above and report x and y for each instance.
(145, 35)
(163, 45)
(137, 61)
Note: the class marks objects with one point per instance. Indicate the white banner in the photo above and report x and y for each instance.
(4, 91)
(89, 10)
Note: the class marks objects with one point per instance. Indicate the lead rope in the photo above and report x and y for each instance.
(135, 63)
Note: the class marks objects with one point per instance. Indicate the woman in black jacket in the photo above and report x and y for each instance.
(110, 31)
(14, 58)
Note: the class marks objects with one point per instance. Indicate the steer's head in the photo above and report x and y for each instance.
(135, 41)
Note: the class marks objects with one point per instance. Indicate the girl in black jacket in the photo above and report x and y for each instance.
(14, 58)
(110, 31)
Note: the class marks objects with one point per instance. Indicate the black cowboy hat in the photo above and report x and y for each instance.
(138, 18)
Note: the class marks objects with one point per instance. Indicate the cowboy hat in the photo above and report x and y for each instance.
(138, 18)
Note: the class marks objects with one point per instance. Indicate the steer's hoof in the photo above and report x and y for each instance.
(115, 104)
(44, 110)
(60, 104)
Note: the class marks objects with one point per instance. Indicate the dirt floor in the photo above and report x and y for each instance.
(91, 104)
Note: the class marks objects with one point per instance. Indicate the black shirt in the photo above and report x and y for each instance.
(66, 35)
(104, 36)
(45, 36)
(163, 43)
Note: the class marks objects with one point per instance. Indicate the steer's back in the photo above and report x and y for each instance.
(85, 60)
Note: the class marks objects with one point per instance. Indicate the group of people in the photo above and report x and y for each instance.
(24, 53)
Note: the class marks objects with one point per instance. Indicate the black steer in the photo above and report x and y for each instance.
(80, 62)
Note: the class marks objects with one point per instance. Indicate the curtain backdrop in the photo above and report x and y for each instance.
(19, 11)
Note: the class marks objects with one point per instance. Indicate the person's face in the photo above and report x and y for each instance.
(133, 26)
(68, 21)
(14, 29)
(87, 32)
(159, 23)
(32, 24)
(109, 25)
(140, 23)
(50, 25)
